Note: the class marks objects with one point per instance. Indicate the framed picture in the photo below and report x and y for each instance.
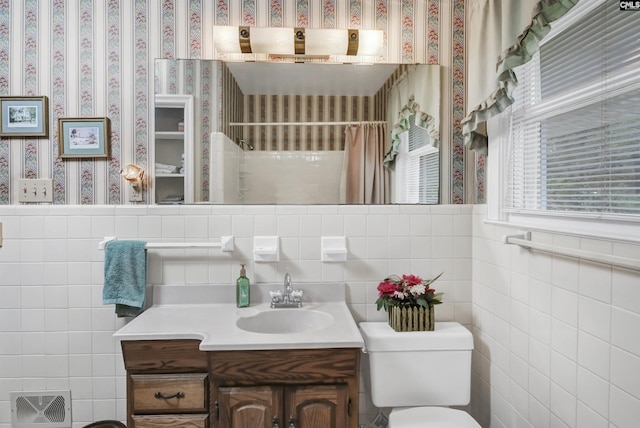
(85, 137)
(24, 117)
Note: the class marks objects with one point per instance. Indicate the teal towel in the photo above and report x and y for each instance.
(125, 277)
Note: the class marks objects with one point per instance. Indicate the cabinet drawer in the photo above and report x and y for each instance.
(163, 356)
(166, 421)
(174, 393)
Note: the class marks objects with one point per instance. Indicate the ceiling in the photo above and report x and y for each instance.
(280, 78)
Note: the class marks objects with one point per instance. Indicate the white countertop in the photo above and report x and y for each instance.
(206, 314)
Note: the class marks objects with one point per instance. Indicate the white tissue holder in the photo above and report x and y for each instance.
(266, 248)
(333, 248)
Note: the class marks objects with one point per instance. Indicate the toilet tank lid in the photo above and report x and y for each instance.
(447, 336)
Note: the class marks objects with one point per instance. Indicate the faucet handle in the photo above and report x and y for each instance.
(275, 295)
(297, 294)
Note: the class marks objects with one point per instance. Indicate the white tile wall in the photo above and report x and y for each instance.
(556, 342)
(56, 334)
(555, 339)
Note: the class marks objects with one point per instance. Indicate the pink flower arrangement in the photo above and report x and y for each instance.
(407, 290)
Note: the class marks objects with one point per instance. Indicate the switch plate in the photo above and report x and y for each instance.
(135, 193)
(35, 190)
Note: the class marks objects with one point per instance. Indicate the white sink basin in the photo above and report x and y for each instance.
(178, 312)
(283, 321)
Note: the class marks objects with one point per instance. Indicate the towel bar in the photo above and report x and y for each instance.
(524, 240)
(226, 244)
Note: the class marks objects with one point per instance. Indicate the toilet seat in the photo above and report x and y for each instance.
(430, 417)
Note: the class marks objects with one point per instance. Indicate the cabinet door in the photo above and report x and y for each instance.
(244, 407)
(317, 406)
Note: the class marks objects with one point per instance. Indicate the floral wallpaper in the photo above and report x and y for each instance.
(104, 66)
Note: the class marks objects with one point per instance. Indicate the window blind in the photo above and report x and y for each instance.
(418, 167)
(574, 144)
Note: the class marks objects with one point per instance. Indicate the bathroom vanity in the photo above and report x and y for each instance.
(209, 365)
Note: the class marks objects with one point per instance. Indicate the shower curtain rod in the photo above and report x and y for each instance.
(354, 122)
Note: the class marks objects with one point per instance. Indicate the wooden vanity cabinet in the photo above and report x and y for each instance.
(171, 383)
(167, 384)
(312, 388)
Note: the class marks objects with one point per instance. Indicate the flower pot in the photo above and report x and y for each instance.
(411, 318)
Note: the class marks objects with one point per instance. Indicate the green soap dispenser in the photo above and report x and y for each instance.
(243, 291)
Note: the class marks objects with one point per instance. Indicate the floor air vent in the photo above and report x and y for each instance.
(41, 409)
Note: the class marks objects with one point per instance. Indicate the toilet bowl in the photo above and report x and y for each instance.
(419, 374)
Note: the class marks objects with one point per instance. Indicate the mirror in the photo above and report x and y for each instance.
(285, 133)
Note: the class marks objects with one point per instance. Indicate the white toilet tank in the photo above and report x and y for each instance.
(425, 368)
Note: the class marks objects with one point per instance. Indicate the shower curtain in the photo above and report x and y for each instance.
(364, 178)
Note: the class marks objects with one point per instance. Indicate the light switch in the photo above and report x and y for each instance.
(33, 190)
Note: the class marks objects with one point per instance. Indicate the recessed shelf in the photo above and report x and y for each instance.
(169, 175)
(173, 148)
(169, 135)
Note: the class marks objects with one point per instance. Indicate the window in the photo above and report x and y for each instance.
(417, 167)
(574, 128)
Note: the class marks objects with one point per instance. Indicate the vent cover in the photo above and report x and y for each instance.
(41, 409)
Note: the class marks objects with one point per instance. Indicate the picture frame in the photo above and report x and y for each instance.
(84, 137)
(24, 116)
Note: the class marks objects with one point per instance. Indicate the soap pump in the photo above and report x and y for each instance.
(243, 291)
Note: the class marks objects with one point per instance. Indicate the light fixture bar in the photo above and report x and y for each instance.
(298, 41)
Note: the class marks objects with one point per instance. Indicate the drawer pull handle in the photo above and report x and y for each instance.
(167, 396)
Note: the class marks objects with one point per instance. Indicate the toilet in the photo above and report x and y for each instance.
(420, 373)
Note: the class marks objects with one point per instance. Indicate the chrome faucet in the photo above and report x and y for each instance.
(290, 298)
(287, 287)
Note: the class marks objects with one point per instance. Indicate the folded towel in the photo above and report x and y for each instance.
(166, 168)
(125, 277)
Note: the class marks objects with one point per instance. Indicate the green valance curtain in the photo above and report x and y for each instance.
(501, 35)
(418, 92)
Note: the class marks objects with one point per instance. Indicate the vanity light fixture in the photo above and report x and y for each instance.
(312, 42)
